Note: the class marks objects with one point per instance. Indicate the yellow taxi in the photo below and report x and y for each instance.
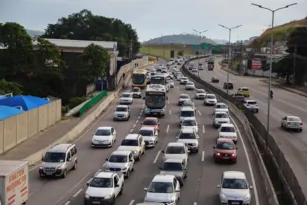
(244, 91)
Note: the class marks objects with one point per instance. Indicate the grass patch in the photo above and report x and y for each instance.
(157, 50)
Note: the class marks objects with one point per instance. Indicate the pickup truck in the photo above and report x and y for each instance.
(14, 182)
(104, 188)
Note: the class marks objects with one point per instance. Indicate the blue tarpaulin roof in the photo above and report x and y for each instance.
(6, 112)
(2, 96)
(27, 102)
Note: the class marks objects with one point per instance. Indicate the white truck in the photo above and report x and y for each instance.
(104, 188)
(14, 182)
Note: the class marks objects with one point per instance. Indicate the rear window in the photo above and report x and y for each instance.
(294, 119)
(245, 89)
(184, 96)
(252, 103)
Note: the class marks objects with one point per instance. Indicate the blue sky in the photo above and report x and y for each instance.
(153, 18)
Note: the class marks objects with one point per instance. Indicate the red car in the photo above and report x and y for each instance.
(151, 122)
(225, 150)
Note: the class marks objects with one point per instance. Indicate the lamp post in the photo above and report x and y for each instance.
(200, 35)
(229, 51)
(271, 61)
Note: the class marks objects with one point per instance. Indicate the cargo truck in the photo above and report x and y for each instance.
(14, 182)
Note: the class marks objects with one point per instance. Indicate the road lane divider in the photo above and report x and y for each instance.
(77, 193)
(131, 130)
(167, 128)
(203, 156)
(204, 130)
(170, 112)
(67, 203)
(157, 156)
(131, 202)
(199, 112)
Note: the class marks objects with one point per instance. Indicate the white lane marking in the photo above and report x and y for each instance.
(139, 117)
(167, 129)
(136, 122)
(134, 125)
(76, 185)
(104, 164)
(131, 130)
(167, 102)
(131, 202)
(157, 156)
(203, 156)
(77, 193)
(195, 203)
(204, 131)
(248, 162)
(170, 112)
(67, 203)
(199, 112)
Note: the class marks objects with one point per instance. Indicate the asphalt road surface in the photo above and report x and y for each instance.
(203, 173)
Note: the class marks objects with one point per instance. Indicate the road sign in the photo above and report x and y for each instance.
(217, 48)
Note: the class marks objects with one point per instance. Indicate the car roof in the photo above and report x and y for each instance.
(126, 93)
(104, 128)
(293, 116)
(151, 118)
(175, 144)
(189, 118)
(60, 148)
(147, 128)
(227, 125)
(132, 136)
(105, 174)
(124, 106)
(186, 108)
(120, 152)
(234, 175)
(174, 160)
(224, 140)
(220, 113)
(210, 94)
(187, 130)
(244, 88)
(250, 100)
(163, 178)
(220, 103)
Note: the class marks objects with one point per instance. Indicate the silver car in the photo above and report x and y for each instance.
(292, 122)
(150, 136)
(126, 99)
(176, 167)
(220, 118)
(121, 112)
(120, 161)
(234, 188)
(164, 189)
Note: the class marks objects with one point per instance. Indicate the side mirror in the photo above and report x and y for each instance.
(184, 169)
(162, 151)
(69, 159)
(107, 159)
(161, 168)
(159, 123)
(177, 137)
(218, 186)
(236, 147)
(143, 98)
(189, 151)
(250, 187)
(177, 190)
(197, 137)
(93, 132)
(89, 181)
(145, 189)
(117, 185)
(214, 147)
(42, 158)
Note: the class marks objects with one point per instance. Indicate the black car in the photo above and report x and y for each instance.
(215, 80)
(229, 85)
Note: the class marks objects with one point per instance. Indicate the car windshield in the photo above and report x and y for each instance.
(252, 103)
(175, 150)
(234, 184)
(126, 142)
(225, 145)
(294, 119)
(146, 132)
(125, 96)
(54, 157)
(121, 109)
(210, 97)
(161, 187)
(101, 182)
(190, 83)
(187, 136)
(221, 106)
(172, 166)
(184, 97)
(187, 113)
(118, 158)
(221, 115)
(150, 122)
(227, 129)
(189, 123)
(103, 132)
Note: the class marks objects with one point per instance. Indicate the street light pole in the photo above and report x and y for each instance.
(200, 36)
(229, 51)
(271, 62)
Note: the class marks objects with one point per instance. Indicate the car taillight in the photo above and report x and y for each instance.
(301, 124)
(289, 123)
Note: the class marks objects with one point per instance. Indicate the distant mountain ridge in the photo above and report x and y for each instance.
(34, 33)
(182, 39)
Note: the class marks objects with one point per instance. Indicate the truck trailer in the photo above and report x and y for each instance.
(14, 182)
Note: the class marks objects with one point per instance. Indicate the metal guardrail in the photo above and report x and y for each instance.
(92, 102)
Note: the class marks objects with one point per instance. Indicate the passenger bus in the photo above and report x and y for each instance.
(160, 79)
(155, 100)
(139, 79)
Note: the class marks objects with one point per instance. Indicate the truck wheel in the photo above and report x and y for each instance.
(64, 174)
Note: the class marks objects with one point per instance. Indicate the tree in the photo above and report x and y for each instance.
(284, 68)
(86, 26)
(9, 87)
(96, 62)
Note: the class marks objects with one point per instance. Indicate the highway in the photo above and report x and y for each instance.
(203, 173)
(284, 103)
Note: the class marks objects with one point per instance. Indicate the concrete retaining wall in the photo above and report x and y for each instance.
(19, 128)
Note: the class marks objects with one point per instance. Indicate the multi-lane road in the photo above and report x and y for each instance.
(284, 103)
(203, 174)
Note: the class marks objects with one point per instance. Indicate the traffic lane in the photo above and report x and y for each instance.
(278, 111)
(89, 160)
(147, 167)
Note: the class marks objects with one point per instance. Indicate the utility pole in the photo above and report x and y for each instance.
(130, 50)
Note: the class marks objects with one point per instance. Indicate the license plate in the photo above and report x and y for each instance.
(49, 174)
(235, 203)
(228, 158)
(96, 202)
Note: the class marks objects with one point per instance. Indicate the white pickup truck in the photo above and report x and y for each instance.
(104, 188)
(14, 182)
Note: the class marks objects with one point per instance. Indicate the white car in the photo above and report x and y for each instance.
(227, 130)
(126, 99)
(186, 112)
(171, 83)
(190, 86)
(163, 188)
(121, 112)
(150, 136)
(134, 143)
(234, 188)
(120, 161)
(251, 105)
(104, 137)
(136, 92)
(189, 137)
(176, 150)
(292, 123)
(184, 80)
(194, 70)
(220, 118)
(200, 94)
(220, 107)
(183, 98)
(210, 99)
(190, 123)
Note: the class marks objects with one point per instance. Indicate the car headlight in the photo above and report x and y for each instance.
(40, 167)
(107, 168)
(233, 155)
(108, 196)
(223, 197)
(218, 154)
(151, 141)
(134, 151)
(170, 202)
(247, 197)
(86, 196)
(124, 168)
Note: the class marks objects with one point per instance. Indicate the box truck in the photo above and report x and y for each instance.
(14, 182)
